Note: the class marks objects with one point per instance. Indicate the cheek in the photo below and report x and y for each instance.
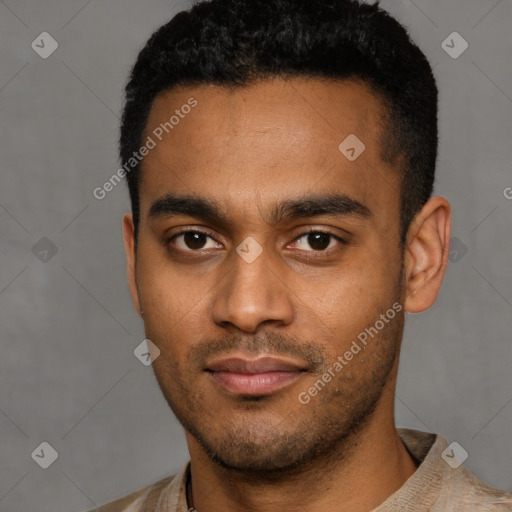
(166, 293)
(175, 305)
(352, 298)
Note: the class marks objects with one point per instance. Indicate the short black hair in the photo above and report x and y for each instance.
(238, 42)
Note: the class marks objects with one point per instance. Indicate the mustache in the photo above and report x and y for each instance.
(272, 344)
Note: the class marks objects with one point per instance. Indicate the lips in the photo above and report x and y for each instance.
(262, 376)
(253, 366)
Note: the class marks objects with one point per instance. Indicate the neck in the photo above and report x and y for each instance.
(357, 476)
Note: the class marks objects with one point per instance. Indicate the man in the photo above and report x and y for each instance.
(280, 157)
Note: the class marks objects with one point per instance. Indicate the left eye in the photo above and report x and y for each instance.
(194, 241)
(317, 240)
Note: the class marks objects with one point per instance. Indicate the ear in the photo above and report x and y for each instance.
(129, 247)
(426, 254)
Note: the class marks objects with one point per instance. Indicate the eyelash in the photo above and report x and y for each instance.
(311, 254)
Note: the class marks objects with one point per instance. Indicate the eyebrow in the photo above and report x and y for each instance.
(338, 205)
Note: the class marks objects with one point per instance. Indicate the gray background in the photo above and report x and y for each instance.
(67, 328)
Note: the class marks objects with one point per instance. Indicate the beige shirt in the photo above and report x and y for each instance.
(435, 486)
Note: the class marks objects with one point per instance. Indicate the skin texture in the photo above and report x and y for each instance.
(248, 150)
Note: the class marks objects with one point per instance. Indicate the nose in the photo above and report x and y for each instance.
(252, 293)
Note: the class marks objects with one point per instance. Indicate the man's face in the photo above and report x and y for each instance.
(288, 291)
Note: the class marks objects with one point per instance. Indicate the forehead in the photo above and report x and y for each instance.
(269, 139)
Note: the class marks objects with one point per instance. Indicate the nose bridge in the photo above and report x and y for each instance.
(251, 293)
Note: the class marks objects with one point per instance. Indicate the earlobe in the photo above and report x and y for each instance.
(426, 254)
(129, 246)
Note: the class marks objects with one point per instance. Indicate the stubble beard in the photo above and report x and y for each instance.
(268, 444)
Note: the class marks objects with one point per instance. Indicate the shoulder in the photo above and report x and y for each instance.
(472, 494)
(445, 487)
(134, 501)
